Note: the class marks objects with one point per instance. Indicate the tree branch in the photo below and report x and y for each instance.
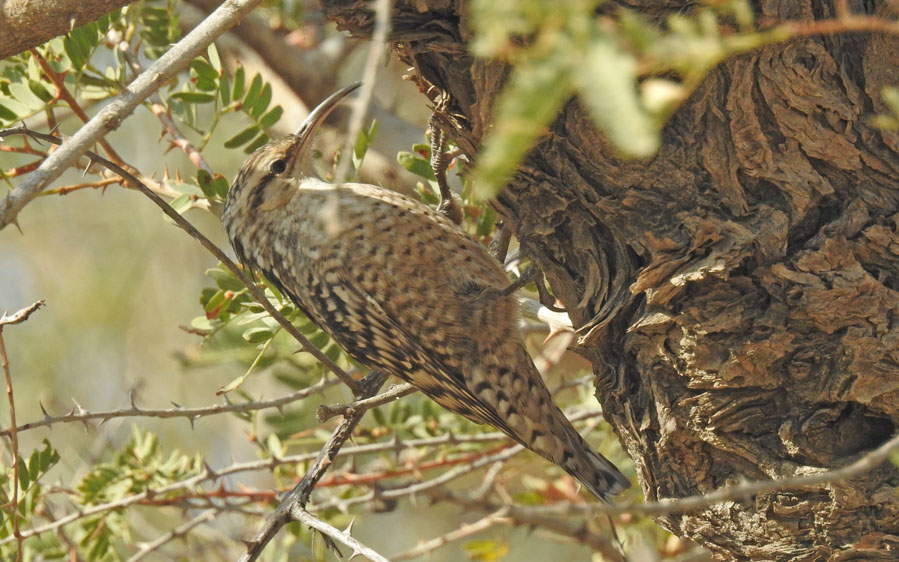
(26, 24)
(344, 537)
(111, 116)
(206, 243)
(179, 531)
(464, 531)
(376, 53)
(16, 318)
(78, 414)
(298, 497)
(325, 412)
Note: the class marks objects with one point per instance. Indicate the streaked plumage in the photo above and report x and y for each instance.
(402, 289)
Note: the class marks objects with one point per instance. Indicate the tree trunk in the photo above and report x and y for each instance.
(737, 293)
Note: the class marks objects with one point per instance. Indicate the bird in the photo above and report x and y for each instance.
(402, 289)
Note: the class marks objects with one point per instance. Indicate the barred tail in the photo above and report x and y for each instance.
(597, 474)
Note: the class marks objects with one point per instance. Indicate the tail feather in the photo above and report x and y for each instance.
(597, 474)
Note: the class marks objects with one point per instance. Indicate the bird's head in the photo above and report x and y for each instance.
(268, 178)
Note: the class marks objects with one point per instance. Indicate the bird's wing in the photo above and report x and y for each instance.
(362, 326)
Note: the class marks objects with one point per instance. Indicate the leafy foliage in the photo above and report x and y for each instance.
(630, 73)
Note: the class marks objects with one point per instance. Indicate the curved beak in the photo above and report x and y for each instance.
(315, 118)
(298, 154)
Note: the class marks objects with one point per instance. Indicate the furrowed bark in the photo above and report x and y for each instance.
(738, 294)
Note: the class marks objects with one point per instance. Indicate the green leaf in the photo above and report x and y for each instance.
(242, 137)
(34, 466)
(260, 140)
(238, 83)
(214, 59)
(416, 164)
(24, 480)
(206, 84)
(225, 90)
(265, 98)
(527, 104)
(319, 339)
(40, 91)
(215, 301)
(6, 114)
(252, 96)
(224, 279)
(257, 335)
(271, 117)
(73, 51)
(332, 352)
(607, 86)
(182, 203)
(220, 186)
(274, 446)
(194, 97)
(204, 69)
(22, 93)
(234, 384)
(361, 146)
(49, 456)
(379, 416)
(890, 95)
(201, 324)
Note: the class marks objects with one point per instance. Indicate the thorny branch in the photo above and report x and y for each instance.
(212, 248)
(298, 497)
(464, 531)
(325, 412)
(78, 414)
(16, 318)
(359, 549)
(180, 531)
(110, 117)
(526, 515)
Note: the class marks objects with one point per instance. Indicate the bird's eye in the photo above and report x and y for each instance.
(278, 166)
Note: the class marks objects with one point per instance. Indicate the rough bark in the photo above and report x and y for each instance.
(737, 293)
(28, 23)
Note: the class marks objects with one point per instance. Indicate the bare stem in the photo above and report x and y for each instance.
(185, 225)
(16, 318)
(299, 496)
(343, 537)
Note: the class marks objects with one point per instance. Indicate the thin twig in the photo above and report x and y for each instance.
(300, 493)
(175, 533)
(16, 318)
(737, 492)
(527, 516)
(111, 116)
(325, 412)
(344, 537)
(464, 531)
(185, 225)
(20, 316)
(744, 490)
(419, 487)
(376, 54)
(161, 111)
(78, 414)
(63, 94)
